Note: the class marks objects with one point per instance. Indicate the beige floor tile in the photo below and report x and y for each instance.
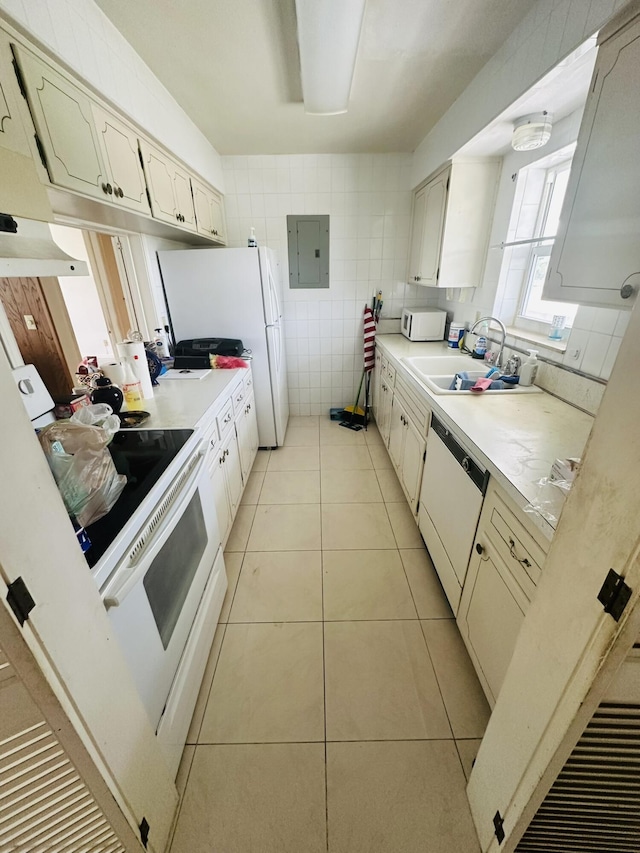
(350, 487)
(380, 456)
(301, 437)
(372, 435)
(380, 683)
(303, 421)
(268, 685)
(365, 585)
(404, 526)
(205, 687)
(241, 529)
(185, 768)
(356, 526)
(334, 458)
(335, 435)
(400, 797)
(261, 461)
(264, 797)
(431, 602)
(251, 492)
(295, 459)
(291, 487)
(279, 586)
(467, 750)
(233, 564)
(390, 486)
(286, 528)
(464, 699)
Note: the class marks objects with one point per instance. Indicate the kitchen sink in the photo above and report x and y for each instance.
(437, 374)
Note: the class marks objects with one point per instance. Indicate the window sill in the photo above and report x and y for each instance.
(535, 338)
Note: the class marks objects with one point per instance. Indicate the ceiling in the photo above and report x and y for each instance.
(233, 67)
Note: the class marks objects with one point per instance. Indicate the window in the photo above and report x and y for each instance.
(532, 306)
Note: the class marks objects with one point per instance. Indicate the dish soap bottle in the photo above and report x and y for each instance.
(131, 388)
(529, 368)
(252, 242)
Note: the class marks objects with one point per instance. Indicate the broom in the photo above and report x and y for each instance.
(355, 411)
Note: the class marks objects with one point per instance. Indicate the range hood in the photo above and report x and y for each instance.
(27, 249)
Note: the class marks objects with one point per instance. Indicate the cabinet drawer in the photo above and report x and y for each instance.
(224, 418)
(239, 397)
(517, 548)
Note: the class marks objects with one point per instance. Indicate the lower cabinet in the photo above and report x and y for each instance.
(408, 423)
(247, 432)
(506, 562)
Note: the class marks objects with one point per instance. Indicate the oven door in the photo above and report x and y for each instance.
(153, 595)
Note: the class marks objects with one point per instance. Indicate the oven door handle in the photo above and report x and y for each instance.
(129, 574)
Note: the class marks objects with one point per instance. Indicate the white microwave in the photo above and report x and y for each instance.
(425, 324)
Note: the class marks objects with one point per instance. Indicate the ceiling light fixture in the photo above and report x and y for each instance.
(532, 131)
(328, 35)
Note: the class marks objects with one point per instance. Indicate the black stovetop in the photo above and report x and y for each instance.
(142, 455)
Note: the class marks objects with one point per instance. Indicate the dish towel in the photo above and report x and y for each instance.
(369, 339)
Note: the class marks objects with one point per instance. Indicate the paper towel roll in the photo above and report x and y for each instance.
(114, 371)
(135, 353)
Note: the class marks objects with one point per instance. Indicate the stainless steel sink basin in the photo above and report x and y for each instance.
(437, 374)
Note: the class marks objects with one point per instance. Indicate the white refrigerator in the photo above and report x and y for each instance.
(234, 293)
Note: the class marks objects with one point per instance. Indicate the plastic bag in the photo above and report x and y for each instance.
(82, 468)
(100, 415)
(549, 499)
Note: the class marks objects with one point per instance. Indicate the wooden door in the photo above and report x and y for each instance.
(184, 199)
(203, 209)
(417, 230)
(217, 219)
(25, 305)
(412, 463)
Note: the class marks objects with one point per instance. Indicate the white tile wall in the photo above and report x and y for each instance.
(551, 30)
(79, 33)
(368, 199)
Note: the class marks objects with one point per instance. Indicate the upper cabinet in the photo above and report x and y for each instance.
(119, 148)
(452, 213)
(88, 147)
(596, 256)
(62, 116)
(209, 215)
(169, 188)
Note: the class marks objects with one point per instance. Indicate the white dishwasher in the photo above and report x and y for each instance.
(453, 488)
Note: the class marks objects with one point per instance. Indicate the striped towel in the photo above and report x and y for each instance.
(369, 339)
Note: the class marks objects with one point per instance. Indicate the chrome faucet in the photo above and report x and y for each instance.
(502, 329)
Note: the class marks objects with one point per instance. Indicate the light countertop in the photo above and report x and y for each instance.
(515, 437)
(184, 403)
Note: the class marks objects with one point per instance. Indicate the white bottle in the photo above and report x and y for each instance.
(529, 368)
(131, 388)
(252, 242)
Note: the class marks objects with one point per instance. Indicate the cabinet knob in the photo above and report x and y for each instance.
(109, 189)
(104, 188)
(479, 548)
(120, 192)
(418, 278)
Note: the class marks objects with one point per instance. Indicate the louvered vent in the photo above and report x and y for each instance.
(45, 807)
(594, 804)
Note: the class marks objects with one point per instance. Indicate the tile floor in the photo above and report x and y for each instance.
(339, 710)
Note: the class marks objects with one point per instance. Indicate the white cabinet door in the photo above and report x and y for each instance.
(386, 398)
(597, 250)
(119, 146)
(184, 198)
(209, 215)
(12, 132)
(417, 233)
(217, 219)
(435, 207)
(375, 387)
(169, 188)
(64, 122)
(491, 613)
(397, 432)
(247, 431)
(412, 463)
(221, 498)
(232, 471)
